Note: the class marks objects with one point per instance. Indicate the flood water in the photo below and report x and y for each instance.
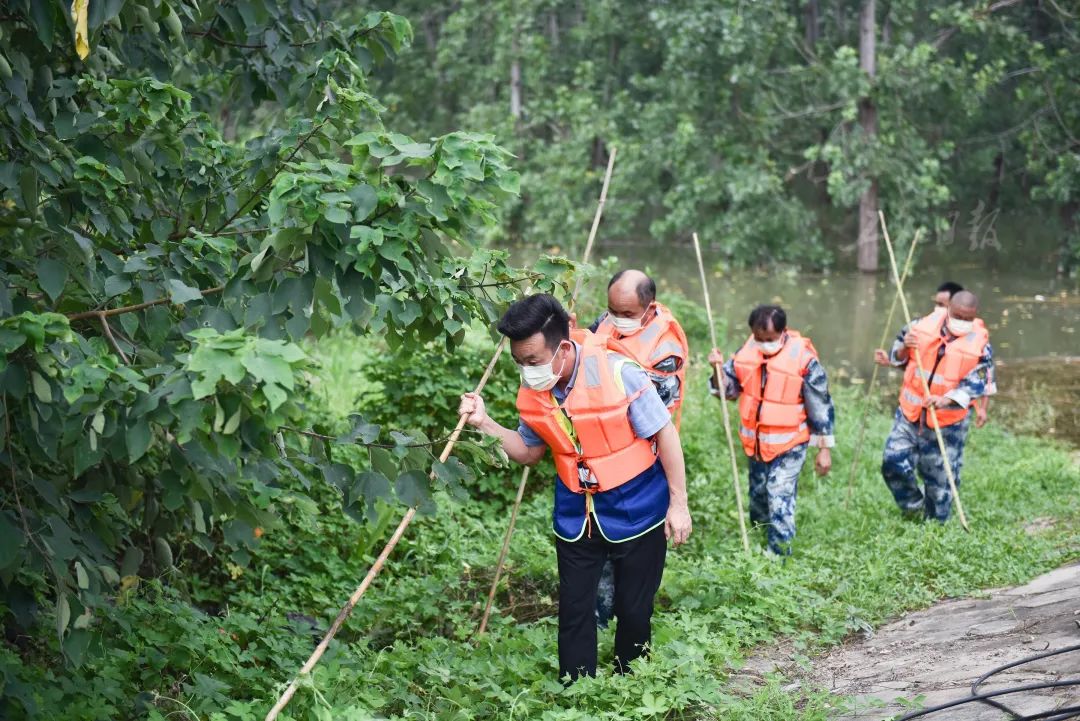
(1033, 317)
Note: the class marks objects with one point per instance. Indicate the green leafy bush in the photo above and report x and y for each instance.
(217, 640)
(158, 274)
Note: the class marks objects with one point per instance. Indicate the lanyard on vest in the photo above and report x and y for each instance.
(941, 350)
(563, 419)
(763, 370)
(585, 475)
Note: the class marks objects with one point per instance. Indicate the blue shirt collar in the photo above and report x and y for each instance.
(561, 394)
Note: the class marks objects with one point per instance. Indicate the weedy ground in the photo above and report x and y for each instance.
(215, 641)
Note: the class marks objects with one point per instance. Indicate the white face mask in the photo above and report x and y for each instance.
(960, 328)
(626, 325)
(540, 377)
(772, 347)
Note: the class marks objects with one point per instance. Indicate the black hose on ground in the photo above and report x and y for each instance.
(992, 694)
(1058, 714)
(1000, 669)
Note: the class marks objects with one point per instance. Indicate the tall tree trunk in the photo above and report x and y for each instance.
(553, 28)
(810, 17)
(866, 319)
(868, 203)
(999, 178)
(515, 81)
(1070, 215)
(613, 62)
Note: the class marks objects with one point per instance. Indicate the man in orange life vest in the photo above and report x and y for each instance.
(620, 489)
(654, 339)
(649, 332)
(941, 298)
(957, 358)
(784, 407)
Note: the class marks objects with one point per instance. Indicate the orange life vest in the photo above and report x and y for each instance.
(659, 339)
(590, 434)
(960, 358)
(773, 418)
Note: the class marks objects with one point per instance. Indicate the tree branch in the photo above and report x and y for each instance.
(323, 437)
(112, 339)
(132, 308)
(405, 196)
(944, 36)
(18, 501)
(277, 171)
(1053, 106)
(243, 231)
(245, 46)
(216, 37)
(499, 284)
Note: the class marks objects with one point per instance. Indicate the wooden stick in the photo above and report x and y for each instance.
(503, 551)
(723, 403)
(380, 561)
(525, 473)
(595, 223)
(873, 376)
(925, 381)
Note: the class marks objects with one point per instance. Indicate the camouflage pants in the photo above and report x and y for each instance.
(773, 486)
(913, 447)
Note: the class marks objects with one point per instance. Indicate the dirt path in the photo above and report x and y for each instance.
(938, 652)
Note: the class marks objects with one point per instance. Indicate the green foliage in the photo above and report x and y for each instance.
(216, 254)
(161, 265)
(220, 638)
(421, 389)
(740, 120)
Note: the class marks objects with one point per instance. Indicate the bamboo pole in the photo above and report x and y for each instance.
(925, 381)
(718, 370)
(525, 472)
(873, 376)
(380, 561)
(595, 222)
(503, 551)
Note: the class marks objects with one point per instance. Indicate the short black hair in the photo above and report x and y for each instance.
(646, 289)
(533, 314)
(761, 316)
(949, 287)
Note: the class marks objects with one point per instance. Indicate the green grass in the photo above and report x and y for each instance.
(409, 649)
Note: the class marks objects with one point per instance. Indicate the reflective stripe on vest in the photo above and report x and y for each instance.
(590, 435)
(773, 419)
(666, 349)
(659, 339)
(910, 397)
(778, 439)
(942, 374)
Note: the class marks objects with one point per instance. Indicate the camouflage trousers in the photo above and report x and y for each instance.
(773, 486)
(913, 447)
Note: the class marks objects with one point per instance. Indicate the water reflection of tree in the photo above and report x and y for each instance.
(866, 324)
(1040, 397)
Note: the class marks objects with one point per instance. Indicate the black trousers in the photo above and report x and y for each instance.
(639, 566)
